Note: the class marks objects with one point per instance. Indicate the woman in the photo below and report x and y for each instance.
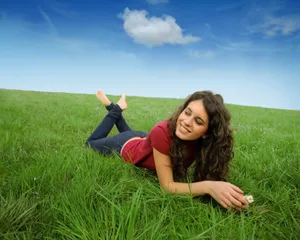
(198, 131)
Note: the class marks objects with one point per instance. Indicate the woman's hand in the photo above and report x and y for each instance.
(228, 195)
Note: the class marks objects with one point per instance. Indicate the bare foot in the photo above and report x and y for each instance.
(103, 98)
(122, 102)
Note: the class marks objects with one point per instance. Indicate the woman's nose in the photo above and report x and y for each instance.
(188, 121)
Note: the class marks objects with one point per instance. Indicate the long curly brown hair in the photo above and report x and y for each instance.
(214, 152)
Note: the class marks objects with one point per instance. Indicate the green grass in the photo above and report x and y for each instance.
(52, 187)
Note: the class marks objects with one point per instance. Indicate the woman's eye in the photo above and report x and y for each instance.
(187, 113)
(198, 122)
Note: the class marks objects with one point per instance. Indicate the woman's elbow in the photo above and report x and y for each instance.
(168, 188)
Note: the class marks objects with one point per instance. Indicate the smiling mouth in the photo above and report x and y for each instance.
(183, 129)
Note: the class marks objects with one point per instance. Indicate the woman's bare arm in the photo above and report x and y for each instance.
(227, 194)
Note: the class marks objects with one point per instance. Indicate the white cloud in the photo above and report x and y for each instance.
(273, 26)
(201, 54)
(153, 31)
(154, 2)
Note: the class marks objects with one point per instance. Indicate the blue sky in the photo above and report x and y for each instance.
(248, 51)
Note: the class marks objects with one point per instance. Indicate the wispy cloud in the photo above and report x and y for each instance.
(209, 35)
(245, 44)
(51, 27)
(63, 9)
(74, 45)
(125, 55)
(272, 26)
(248, 46)
(153, 31)
(229, 6)
(271, 19)
(154, 2)
(201, 54)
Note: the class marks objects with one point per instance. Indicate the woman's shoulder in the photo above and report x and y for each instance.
(162, 124)
(160, 137)
(161, 128)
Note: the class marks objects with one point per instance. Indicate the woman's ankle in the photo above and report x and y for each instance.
(110, 106)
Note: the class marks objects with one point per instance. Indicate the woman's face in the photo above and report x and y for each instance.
(192, 123)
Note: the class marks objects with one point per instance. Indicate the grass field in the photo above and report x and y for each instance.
(52, 187)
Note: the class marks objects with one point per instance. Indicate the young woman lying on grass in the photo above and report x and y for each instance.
(198, 131)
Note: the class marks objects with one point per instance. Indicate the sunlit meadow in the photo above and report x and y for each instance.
(53, 187)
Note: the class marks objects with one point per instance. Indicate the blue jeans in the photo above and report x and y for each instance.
(107, 145)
